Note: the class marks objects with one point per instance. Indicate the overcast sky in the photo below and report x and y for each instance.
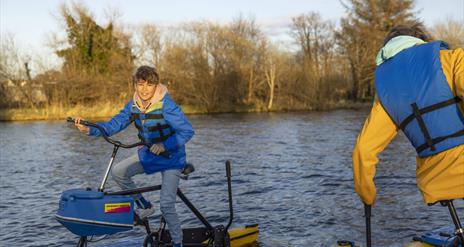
(33, 21)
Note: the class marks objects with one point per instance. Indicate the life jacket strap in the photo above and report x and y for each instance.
(423, 127)
(147, 116)
(428, 109)
(133, 117)
(439, 139)
(159, 127)
(157, 139)
(417, 114)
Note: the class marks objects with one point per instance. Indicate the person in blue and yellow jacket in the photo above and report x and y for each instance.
(162, 126)
(419, 90)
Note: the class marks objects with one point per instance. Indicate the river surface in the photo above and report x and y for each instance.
(291, 174)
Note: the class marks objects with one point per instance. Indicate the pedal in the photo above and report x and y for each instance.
(139, 221)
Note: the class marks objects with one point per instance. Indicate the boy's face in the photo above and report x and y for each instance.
(145, 90)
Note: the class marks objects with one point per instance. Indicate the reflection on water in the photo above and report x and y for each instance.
(291, 174)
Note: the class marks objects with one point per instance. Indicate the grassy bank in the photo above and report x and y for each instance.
(107, 110)
(58, 112)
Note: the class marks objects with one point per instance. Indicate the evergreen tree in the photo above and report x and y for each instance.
(92, 49)
(362, 34)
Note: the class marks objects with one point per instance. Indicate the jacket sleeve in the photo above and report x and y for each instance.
(378, 131)
(117, 123)
(175, 118)
(459, 75)
(452, 62)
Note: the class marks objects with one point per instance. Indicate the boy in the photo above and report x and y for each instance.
(163, 127)
(414, 74)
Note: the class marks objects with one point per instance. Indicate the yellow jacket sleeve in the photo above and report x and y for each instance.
(452, 62)
(459, 75)
(377, 133)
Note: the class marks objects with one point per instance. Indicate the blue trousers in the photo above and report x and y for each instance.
(123, 172)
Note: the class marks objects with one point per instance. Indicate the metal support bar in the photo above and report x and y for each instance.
(229, 189)
(194, 210)
(457, 223)
(108, 169)
(135, 191)
(82, 242)
(367, 214)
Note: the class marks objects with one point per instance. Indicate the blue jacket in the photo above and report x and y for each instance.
(180, 130)
(414, 92)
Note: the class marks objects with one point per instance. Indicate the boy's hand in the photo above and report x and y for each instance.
(157, 149)
(82, 128)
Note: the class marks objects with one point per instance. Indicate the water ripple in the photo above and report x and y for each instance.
(291, 174)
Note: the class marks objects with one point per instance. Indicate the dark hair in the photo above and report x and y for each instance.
(146, 73)
(416, 30)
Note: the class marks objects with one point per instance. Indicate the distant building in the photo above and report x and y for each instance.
(21, 92)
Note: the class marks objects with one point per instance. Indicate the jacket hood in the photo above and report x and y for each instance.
(396, 45)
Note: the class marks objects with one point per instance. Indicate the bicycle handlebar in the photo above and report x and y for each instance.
(165, 154)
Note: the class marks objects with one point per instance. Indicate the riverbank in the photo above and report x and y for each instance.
(107, 110)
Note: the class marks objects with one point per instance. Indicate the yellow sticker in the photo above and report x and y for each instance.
(111, 208)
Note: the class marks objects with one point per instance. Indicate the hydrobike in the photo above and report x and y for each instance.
(448, 236)
(88, 212)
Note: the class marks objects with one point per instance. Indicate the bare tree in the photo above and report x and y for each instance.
(148, 48)
(315, 39)
(246, 39)
(274, 67)
(186, 65)
(11, 61)
(451, 31)
(15, 68)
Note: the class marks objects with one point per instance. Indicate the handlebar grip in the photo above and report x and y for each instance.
(367, 210)
(83, 122)
(228, 170)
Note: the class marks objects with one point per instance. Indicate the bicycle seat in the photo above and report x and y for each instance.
(189, 168)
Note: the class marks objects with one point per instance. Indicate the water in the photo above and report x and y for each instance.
(291, 174)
